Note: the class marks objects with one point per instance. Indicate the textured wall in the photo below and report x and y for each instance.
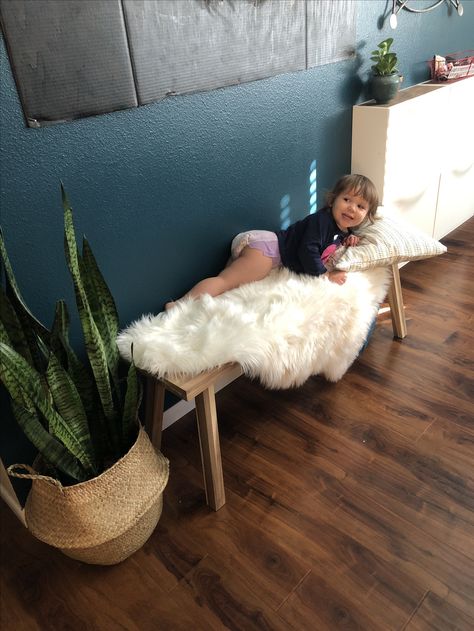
(160, 190)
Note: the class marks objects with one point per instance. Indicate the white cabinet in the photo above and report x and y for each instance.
(456, 187)
(419, 152)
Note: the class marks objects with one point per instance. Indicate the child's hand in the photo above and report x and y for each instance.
(337, 277)
(352, 239)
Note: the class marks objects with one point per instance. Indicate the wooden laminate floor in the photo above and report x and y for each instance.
(349, 505)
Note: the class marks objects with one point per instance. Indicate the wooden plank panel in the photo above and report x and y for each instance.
(389, 469)
(269, 565)
(335, 18)
(336, 557)
(39, 583)
(69, 59)
(435, 614)
(328, 603)
(188, 46)
(338, 515)
(230, 599)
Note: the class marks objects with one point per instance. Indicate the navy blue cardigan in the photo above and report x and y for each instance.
(302, 244)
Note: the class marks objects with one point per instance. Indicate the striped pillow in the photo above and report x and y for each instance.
(386, 241)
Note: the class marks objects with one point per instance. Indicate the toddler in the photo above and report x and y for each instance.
(304, 247)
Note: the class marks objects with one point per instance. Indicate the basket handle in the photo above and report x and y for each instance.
(31, 475)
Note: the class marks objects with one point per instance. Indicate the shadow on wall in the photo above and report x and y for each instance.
(354, 86)
(382, 21)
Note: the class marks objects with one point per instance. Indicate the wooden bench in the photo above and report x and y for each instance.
(202, 389)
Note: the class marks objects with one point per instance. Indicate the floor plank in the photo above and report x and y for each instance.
(435, 614)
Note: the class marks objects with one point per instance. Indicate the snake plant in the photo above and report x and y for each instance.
(80, 415)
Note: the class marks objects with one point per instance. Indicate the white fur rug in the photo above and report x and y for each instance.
(282, 329)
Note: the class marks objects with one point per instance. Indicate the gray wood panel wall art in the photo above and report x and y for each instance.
(76, 58)
(70, 58)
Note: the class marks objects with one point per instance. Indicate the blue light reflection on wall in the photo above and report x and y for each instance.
(285, 212)
(313, 195)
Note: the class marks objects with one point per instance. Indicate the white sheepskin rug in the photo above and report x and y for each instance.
(281, 330)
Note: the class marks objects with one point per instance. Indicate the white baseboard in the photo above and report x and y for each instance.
(177, 411)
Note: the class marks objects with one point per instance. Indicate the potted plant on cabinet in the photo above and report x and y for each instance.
(385, 78)
(97, 483)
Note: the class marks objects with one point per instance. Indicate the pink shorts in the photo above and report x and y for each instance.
(263, 240)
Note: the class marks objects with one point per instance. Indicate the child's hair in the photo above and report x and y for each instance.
(362, 186)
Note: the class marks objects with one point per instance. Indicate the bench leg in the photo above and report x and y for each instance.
(395, 300)
(210, 449)
(154, 404)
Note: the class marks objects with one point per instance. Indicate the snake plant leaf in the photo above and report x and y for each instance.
(45, 353)
(103, 309)
(97, 358)
(69, 405)
(61, 346)
(60, 320)
(15, 334)
(83, 380)
(95, 347)
(131, 404)
(4, 334)
(51, 449)
(103, 292)
(10, 383)
(27, 418)
(27, 384)
(77, 371)
(16, 297)
(5, 376)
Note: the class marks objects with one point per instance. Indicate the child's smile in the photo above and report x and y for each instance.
(349, 210)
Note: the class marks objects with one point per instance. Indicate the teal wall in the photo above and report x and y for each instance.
(160, 190)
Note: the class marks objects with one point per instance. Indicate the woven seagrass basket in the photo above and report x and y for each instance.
(104, 520)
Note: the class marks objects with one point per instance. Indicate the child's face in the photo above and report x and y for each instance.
(349, 210)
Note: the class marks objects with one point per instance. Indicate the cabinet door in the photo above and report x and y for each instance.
(456, 192)
(369, 144)
(413, 159)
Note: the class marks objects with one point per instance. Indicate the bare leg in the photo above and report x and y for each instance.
(251, 265)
